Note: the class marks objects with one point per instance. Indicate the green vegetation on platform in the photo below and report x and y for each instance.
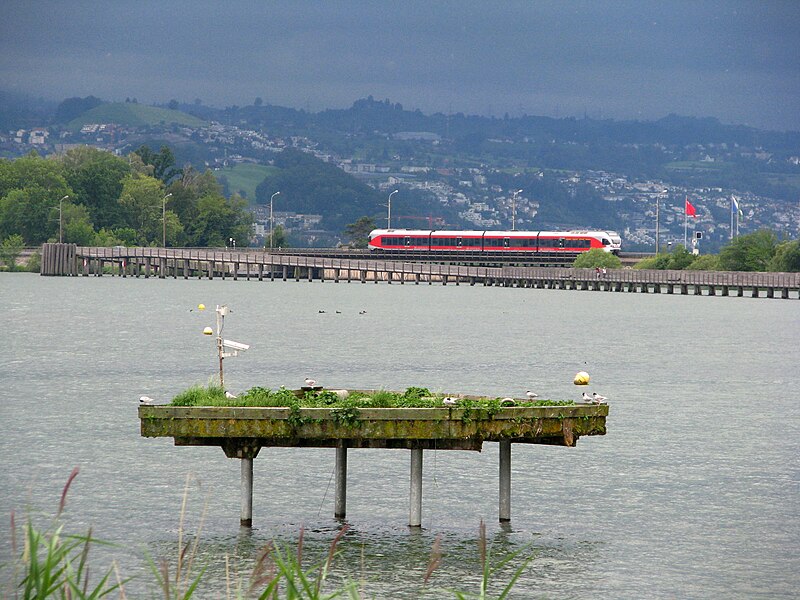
(413, 397)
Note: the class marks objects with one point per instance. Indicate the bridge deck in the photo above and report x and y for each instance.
(68, 259)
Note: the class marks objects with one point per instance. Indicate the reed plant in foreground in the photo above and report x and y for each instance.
(52, 564)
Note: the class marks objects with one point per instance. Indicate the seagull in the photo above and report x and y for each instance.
(145, 400)
(229, 395)
(449, 401)
(587, 398)
(531, 395)
(598, 398)
(311, 382)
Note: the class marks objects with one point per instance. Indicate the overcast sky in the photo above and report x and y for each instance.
(738, 61)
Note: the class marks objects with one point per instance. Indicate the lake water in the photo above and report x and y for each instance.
(693, 493)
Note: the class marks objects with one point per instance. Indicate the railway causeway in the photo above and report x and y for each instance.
(75, 261)
(242, 432)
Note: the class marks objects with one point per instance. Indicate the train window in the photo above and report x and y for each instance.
(407, 241)
(606, 242)
(459, 242)
(506, 242)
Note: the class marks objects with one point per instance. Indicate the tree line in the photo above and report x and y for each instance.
(94, 198)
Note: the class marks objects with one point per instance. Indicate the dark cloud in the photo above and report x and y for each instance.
(735, 60)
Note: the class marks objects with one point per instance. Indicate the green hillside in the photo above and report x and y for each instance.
(245, 177)
(133, 115)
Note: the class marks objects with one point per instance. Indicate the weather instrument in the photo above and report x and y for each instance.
(225, 348)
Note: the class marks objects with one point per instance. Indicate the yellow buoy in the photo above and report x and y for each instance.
(201, 307)
(208, 331)
(581, 378)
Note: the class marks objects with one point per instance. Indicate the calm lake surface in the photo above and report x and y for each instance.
(693, 493)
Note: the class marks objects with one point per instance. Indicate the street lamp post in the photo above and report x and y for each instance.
(60, 221)
(271, 222)
(514, 209)
(164, 220)
(389, 214)
(658, 220)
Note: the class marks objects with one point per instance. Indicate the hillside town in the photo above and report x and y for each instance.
(642, 206)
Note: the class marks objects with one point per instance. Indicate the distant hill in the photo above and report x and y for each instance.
(133, 115)
(244, 178)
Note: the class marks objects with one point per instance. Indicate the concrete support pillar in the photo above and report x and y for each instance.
(340, 509)
(755, 292)
(162, 268)
(505, 482)
(415, 495)
(247, 493)
(725, 290)
(712, 291)
(770, 292)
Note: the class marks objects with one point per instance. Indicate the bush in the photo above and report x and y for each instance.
(751, 252)
(706, 262)
(10, 250)
(787, 258)
(679, 258)
(597, 257)
(34, 263)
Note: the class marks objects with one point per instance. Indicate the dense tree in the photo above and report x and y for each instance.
(218, 220)
(751, 252)
(279, 238)
(75, 107)
(163, 162)
(112, 200)
(358, 232)
(142, 200)
(787, 257)
(95, 177)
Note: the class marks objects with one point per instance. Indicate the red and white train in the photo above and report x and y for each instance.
(565, 242)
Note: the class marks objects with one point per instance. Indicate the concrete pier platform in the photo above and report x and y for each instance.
(242, 431)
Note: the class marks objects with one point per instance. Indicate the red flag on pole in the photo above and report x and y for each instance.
(690, 210)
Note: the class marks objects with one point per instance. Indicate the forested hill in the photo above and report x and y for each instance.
(369, 115)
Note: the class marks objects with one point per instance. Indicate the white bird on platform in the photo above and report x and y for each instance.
(145, 400)
(311, 382)
(229, 395)
(531, 395)
(598, 398)
(449, 401)
(587, 398)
